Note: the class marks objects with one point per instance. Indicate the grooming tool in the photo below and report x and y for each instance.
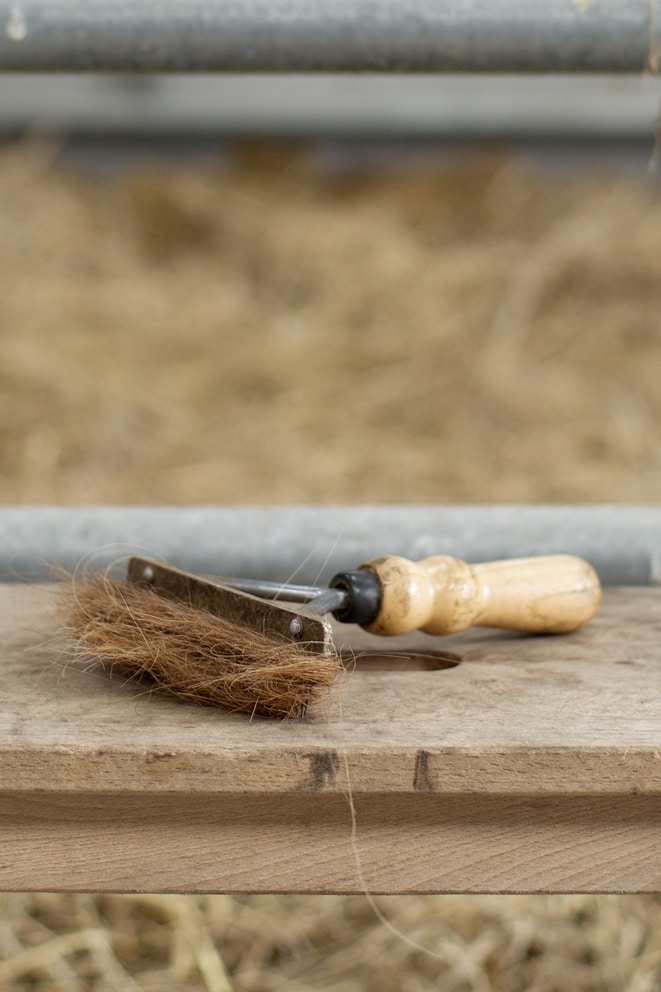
(265, 648)
(391, 595)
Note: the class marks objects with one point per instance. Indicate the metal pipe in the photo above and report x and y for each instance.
(310, 544)
(346, 105)
(344, 35)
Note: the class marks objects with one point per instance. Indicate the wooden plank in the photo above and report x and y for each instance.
(422, 843)
(534, 765)
(519, 714)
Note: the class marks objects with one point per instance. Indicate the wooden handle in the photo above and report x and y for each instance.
(442, 595)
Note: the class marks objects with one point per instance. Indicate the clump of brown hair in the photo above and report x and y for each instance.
(191, 653)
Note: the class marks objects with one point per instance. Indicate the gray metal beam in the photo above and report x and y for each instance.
(342, 35)
(311, 543)
(346, 105)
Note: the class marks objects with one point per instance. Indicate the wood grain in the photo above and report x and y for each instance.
(534, 765)
(548, 594)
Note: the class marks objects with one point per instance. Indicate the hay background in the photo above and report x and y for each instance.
(271, 332)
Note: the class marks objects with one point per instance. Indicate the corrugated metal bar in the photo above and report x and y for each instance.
(344, 35)
(311, 543)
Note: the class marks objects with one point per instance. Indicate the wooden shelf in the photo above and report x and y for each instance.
(534, 765)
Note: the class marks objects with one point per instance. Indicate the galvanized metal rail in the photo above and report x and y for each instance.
(309, 544)
(345, 35)
(462, 106)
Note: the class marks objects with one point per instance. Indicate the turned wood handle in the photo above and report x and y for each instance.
(442, 595)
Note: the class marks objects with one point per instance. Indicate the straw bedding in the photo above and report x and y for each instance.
(270, 333)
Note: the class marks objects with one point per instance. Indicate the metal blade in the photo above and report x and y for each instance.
(273, 619)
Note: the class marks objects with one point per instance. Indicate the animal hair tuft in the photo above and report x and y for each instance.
(189, 652)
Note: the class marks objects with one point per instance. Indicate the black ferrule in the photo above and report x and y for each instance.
(364, 596)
